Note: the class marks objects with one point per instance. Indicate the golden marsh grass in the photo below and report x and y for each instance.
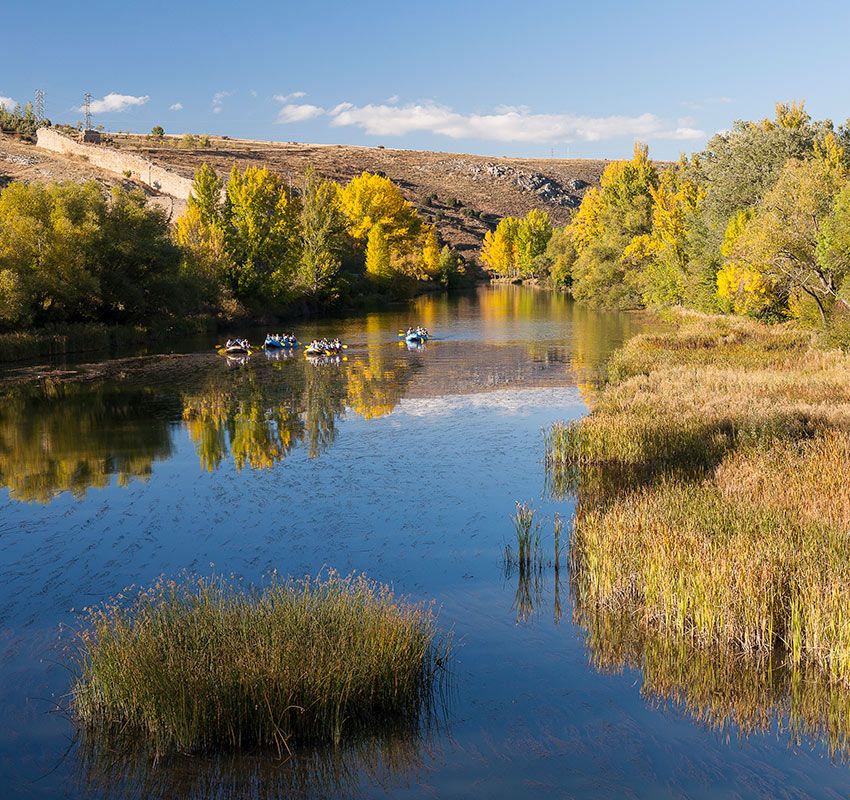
(207, 665)
(714, 504)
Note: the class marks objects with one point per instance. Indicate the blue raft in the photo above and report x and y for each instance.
(275, 343)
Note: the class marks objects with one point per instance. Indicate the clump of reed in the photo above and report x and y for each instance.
(207, 665)
(527, 530)
(698, 566)
(530, 561)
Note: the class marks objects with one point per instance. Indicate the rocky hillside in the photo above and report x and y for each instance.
(463, 195)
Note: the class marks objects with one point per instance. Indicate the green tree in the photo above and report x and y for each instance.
(137, 262)
(323, 233)
(794, 237)
(740, 166)
(69, 255)
(158, 131)
(559, 257)
(261, 234)
(532, 237)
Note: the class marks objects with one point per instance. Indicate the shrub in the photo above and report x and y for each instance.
(158, 131)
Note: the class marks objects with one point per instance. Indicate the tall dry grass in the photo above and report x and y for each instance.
(714, 503)
(207, 665)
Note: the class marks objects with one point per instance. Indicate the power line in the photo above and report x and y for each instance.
(39, 105)
(87, 110)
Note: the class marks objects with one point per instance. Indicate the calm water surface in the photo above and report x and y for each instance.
(404, 464)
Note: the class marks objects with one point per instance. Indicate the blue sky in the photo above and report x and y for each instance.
(500, 78)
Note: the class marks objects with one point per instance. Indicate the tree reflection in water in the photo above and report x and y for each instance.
(67, 438)
(258, 418)
(71, 437)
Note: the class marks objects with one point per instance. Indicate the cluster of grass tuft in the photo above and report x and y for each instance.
(714, 504)
(206, 665)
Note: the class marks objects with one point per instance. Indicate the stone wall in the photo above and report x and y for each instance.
(105, 157)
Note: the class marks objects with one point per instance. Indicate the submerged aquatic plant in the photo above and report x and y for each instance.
(207, 665)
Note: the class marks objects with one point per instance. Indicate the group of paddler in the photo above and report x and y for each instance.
(317, 347)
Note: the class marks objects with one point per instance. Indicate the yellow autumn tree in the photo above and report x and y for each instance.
(660, 257)
(370, 200)
(499, 250)
(429, 261)
(586, 224)
(378, 255)
(608, 220)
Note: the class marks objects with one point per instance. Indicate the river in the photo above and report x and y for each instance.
(401, 463)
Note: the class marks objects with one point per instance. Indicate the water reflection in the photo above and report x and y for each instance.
(253, 412)
(58, 438)
(119, 771)
(733, 693)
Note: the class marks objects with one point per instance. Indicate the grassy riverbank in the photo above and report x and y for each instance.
(712, 476)
(208, 665)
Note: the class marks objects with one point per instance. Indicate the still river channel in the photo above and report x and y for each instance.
(401, 463)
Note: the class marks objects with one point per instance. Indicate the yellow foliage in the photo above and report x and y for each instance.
(430, 257)
(745, 290)
(586, 224)
(370, 200)
(832, 154)
(673, 202)
(734, 230)
(499, 250)
(378, 256)
(792, 115)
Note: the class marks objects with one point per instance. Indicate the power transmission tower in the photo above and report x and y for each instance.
(39, 105)
(87, 110)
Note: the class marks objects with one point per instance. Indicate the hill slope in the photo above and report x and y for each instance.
(463, 195)
(464, 185)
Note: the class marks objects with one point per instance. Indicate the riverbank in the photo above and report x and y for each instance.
(713, 508)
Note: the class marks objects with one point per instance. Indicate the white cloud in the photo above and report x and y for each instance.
(253, 92)
(114, 103)
(298, 113)
(218, 101)
(505, 124)
(393, 99)
(176, 107)
(7, 102)
(682, 134)
(283, 98)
